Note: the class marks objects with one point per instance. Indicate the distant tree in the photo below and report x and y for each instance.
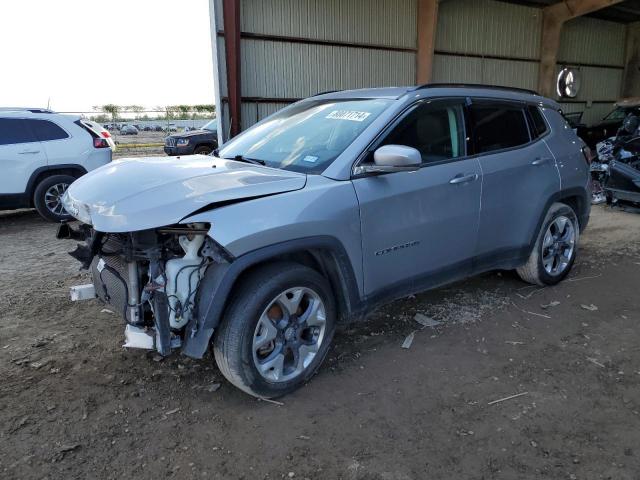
(113, 110)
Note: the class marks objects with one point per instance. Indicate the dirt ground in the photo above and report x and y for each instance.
(75, 405)
(124, 144)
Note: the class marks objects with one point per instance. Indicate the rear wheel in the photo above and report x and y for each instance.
(47, 197)
(555, 249)
(276, 331)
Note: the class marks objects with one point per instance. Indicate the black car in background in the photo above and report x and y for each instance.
(609, 125)
(202, 141)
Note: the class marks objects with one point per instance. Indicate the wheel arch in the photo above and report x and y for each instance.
(324, 254)
(577, 198)
(41, 173)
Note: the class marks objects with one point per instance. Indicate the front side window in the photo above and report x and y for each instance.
(434, 128)
(15, 130)
(306, 137)
(498, 126)
(46, 130)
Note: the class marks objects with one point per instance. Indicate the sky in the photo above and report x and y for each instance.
(81, 53)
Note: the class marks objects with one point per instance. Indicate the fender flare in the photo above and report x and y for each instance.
(219, 279)
(583, 214)
(51, 170)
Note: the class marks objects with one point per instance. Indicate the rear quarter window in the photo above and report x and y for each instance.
(15, 130)
(498, 126)
(539, 125)
(46, 130)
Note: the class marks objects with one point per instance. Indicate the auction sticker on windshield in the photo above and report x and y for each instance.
(352, 115)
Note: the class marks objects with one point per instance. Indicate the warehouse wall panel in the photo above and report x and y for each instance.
(593, 41)
(489, 28)
(299, 70)
(490, 71)
(379, 22)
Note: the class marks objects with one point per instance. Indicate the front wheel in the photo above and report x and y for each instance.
(276, 331)
(555, 249)
(203, 150)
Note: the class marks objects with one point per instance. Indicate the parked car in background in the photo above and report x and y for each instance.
(610, 124)
(157, 128)
(347, 200)
(128, 130)
(203, 141)
(42, 153)
(171, 128)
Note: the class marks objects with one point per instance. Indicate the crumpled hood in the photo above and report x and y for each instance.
(142, 193)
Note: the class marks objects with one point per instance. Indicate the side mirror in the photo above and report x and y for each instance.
(392, 158)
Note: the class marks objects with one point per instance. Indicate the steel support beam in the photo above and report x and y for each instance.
(553, 18)
(631, 78)
(427, 22)
(231, 26)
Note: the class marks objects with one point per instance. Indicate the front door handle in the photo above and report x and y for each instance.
(540, 161)
(463, 179)
(29, 152)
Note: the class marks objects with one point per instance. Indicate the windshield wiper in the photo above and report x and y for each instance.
(240, 158)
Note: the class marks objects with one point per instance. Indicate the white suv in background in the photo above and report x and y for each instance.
(42, 152)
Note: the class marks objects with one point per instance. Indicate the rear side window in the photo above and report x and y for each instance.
(15, 130)
(46, 130)
(539, 125)
(498, 126)
(435, 129)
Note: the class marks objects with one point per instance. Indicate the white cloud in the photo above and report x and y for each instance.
(82, 53)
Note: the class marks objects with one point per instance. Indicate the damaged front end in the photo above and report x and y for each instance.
(152, 278)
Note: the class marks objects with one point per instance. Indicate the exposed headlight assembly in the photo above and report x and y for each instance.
(182, 142)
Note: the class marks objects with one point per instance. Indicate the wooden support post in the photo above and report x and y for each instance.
(631, 79)
(427, 21)
(231, 24)
(553, 18)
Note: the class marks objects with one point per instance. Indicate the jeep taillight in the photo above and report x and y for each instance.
(100, 143)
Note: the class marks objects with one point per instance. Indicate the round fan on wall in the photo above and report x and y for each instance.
(568, 84)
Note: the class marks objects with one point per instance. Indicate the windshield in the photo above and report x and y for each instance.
(308, 136)
(617, 114)
(211, 125)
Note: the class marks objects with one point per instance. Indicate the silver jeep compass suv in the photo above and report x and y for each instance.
(323, 211)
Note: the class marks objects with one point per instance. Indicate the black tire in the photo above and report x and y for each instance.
(234, 337)
(534, 271)
(40, 198)
(203, 150)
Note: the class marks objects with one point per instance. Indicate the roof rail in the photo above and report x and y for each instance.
(477, 85)
(23, 109)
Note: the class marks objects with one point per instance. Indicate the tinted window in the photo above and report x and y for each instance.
(46, 130)
(539, 125)
(498, 126)
(14, 130)
(435, 129)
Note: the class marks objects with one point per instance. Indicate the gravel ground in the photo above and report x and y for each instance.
(75, 405)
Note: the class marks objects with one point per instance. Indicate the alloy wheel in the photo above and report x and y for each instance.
(289, 334)
(53, 198)
(558, 245)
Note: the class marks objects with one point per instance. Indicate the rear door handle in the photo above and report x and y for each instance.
(463, 178)
(29, 152)
(540, 161)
